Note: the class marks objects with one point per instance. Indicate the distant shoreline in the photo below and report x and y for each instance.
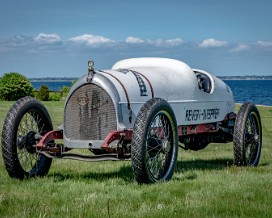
(52, 79)
(68, 79)
(48, 80)
(243, 79)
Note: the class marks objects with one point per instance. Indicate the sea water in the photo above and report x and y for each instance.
(257, 91)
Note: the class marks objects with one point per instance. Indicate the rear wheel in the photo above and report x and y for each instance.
(154, 146)
(247, 137)
(26, 122)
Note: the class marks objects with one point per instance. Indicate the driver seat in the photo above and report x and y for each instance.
(204, 82)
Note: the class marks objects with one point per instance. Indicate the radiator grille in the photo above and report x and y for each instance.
(89, 114)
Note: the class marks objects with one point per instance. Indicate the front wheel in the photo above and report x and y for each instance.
(154, 145)
(26, 122)
(247, 137)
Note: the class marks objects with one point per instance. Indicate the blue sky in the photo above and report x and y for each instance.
(56, 38)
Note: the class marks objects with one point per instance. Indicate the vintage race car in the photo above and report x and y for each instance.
(142, 109)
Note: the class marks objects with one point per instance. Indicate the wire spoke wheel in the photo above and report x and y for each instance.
(30, 130)
(159, 144)
(252, 139)
(154, 142)
(26, 122)
(247, 138)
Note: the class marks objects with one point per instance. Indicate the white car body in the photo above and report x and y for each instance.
(135, 81)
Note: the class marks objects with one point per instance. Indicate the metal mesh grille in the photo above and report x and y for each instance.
(89, 114)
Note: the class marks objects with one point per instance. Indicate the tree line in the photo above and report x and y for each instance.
(14, 86)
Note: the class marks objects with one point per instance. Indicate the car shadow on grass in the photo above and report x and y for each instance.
(187, 169)
(124, 173)
(199, 164)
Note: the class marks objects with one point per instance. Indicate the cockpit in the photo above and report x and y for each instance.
(204, 82)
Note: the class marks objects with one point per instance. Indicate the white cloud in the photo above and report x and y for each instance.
(174, 42)
(155, 42)
(264, 43)
(47, 38)
(91, 40)
(16, 42)
(133, 40)
(168, 42)
(240, 47)
(212, 43)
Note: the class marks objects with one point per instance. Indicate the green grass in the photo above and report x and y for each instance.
(205, 184)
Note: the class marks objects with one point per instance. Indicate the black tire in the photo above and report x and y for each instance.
(247, 137)
(25, 122)
(154, 145)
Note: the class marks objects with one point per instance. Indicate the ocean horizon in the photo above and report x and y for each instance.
(248, 90)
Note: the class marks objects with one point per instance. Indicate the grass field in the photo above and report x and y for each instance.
(205, 184)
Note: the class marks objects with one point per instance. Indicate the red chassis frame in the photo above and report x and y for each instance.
(125, 136)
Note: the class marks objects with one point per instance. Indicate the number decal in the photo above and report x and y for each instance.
(205, 114)
(141, 83)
